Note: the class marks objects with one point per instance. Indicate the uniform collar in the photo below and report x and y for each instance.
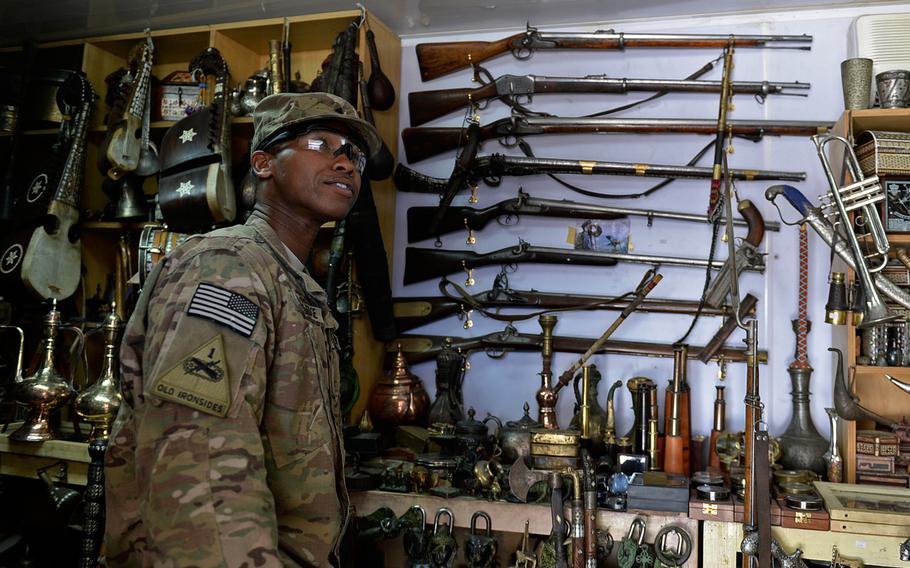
(281, 251)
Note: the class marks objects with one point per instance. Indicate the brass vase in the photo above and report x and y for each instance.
(399, 399)
(596, 414)
(99, 403)
(45, 391)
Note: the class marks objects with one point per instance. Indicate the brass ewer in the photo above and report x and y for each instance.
(99, 403)
(46, 390)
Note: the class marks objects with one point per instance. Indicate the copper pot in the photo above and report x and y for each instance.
(399, 398)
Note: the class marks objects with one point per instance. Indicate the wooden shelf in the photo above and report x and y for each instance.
(24, 459)
(510, 517)
(154, 125)
(893, 119)
(116, 225)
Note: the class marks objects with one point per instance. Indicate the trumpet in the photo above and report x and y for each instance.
(859, 197)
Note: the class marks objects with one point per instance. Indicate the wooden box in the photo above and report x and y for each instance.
(809, 520)
(877, 443)
(867, 509)
(898, 479)
(874, 464)
(881, 152)
(775, 511)
(711, 510)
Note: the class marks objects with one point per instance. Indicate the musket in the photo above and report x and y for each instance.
(417, 311)
(426, 263)
(421, 348)
(424, 106)
(721, 130)
(491, 168)
(747, 254)
(438, 59)
(473, 219)
(425, 142)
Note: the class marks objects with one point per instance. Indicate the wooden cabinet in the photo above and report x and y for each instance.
(244, 46)
(869, 383)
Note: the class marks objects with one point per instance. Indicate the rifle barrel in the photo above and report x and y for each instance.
(423, 143)
(414, 312)
(438, 59)
(421, 348)
(427, 263)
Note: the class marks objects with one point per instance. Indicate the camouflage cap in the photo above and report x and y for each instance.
(281, 112)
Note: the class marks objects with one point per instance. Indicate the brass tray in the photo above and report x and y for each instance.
(867, 509)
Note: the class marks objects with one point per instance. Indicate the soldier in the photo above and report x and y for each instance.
(227, 450)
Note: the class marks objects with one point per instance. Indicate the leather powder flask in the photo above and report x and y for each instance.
(195, 190)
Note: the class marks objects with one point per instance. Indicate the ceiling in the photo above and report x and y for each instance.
(48, 20)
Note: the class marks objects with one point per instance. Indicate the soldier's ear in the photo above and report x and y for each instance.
(261, 164)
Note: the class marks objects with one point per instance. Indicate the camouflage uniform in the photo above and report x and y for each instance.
(227, 450)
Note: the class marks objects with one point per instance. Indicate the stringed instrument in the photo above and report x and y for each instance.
(46, 255)
(124, 142)
(195, 190)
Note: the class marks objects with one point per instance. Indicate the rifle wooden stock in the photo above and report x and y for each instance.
(425, 347)
(424, 106)
(438, 59)
(425, 142)
(414, 312)
(424, 264)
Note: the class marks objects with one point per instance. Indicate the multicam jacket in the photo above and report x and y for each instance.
(227, 449)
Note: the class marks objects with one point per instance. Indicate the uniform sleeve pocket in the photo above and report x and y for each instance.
(180, 489)
(294, 434)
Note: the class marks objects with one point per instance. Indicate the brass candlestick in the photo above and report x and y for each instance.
(546, 396)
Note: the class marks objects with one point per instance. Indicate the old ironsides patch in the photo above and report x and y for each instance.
(200, 380)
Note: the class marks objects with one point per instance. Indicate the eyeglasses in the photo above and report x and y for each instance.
(319, 142)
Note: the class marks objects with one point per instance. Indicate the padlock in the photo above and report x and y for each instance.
(672, 547)
(628, 552)
(442, 546)
(415, 538)
(480, 549)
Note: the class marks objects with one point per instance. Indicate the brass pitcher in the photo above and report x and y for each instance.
(99, 403)
(46, 390)
(596, 414)
(399, 398)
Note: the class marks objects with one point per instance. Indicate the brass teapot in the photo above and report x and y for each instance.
(399, 397)
(99, 403)
(46, 390)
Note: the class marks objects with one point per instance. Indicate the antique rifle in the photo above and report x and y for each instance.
(438, 59)
(472, 219)
(425, 142)
(417, 311)
(426, 105)
(491, 168)
(426, 263)
(747, 254)
(425, 347)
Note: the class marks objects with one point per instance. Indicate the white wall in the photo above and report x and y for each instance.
(501, 386)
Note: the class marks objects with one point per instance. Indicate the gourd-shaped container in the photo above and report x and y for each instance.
(399, 398)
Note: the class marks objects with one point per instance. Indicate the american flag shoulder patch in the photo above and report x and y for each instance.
(224, 307)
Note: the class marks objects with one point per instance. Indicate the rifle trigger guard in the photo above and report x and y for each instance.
(493, 180)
